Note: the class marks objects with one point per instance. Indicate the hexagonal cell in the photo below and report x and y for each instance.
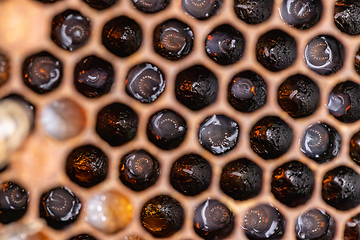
(70, 30)
(173, 39)
(247, 92)
(151, 6)
(122, 36)
(87, 166)
(196, 87)
(201, 9)
(253, 12)
(42, 72)
(63, 119)
(276, 50)
(352, 228)
(346, 16)
(5, 68)
(100, 4)
(83, 237)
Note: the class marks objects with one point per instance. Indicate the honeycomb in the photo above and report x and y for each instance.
(39, 165)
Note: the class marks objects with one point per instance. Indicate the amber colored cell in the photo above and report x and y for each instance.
(292, 183)
(122, 36)
(352, 228)
(117, 124)
(70, 30)
(139, 170)
(191, 174)
(4, 68)
(133, 237)
(63, 119)
(87, 166)
(341, 188)
(109, 211)
(42, 72)
(162, 216)
(241, 179)
(100, 4)
(13, 202)
(299, 96)
(83, 237)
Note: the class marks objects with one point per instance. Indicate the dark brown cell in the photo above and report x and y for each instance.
(162, 216)
(201, 9)
(341, 188)
(301, 14)
(276, 50)
(219, 134)
(213, 220)
(346, 16)
(151, 6)
(122, 36)
(139, 170)
(196, 87)
(344, 102)
(241, 179)
(70, 30)
(4, 68)
(357, 62)
(191, 174)
(263, 222)
(117, 124)
(321, 143)
(225, 45)
(355, 148)
(253, 12)
(247, 91)
(87, 166)
(166, 129)
(173, 39)
(93, 76)
(59, 207)
(13, 202)
(100, 4)
(271, 137)
(324, 55)
(352, 228)
(292, 183)
(299, 96)
(42, 72)
(145, 82)
(315, 224)
(83, 237)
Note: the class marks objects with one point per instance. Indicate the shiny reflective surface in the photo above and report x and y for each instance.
(13, 202)
(302, 14)
(117, 124)
(70, 30)
(225, 45)
(59, 207)
(145, 82)
(271, 137)
(213, 220)
(263, 222)
(173, 39)
(344, 102)
(196, 87)
(321, 142)
(42, 72)
(201, 9)
(253, 11)
(151, 6)
(100, 4)
(292, 183)
(341, 188)
(93, 76)
(346, 16)
(299, 96)
(276, 50)
(108, 212)
(4, 68)
(139, 170)
(241, 179)
(87, 166)
(162, 216)
(355, 148)
(191, 174)
(122, 36)
(324, 55)
(166, 129)
(218, 134)
(315, 224)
